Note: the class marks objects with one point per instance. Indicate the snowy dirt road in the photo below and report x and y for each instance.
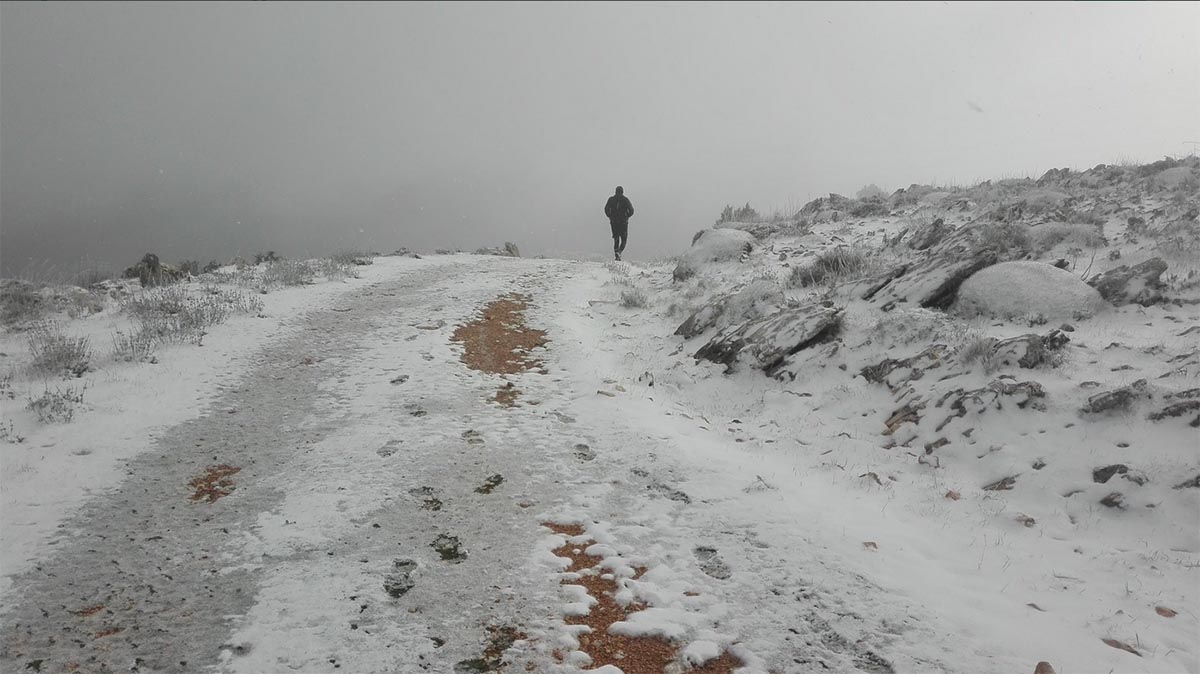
(360, 502)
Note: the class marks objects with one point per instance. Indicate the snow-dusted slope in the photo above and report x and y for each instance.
(850, 477)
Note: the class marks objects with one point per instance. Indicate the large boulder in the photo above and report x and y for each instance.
(1138, 284)
(1026, 288)
(765, 342)
(757, 299)
(713, 246)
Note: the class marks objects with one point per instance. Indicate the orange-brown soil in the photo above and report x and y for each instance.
(214, 483)
(634, 655)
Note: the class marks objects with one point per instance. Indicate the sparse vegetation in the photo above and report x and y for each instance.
(55, 353)
(1047, 236)
(1007, 238)
(57, 406)
(634, 299)
(134, 347)
(334, 269)
(743, 214)
(20, 302)
(172, 315)
(283, 273)
(978, 349)
(834, 265)
(9, 434)
(352, 258)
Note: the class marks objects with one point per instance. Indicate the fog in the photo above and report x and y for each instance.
(208, 130)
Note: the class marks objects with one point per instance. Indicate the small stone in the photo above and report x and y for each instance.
(1103, 475)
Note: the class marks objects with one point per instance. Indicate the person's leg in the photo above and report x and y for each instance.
(624, 237)
(616, 233)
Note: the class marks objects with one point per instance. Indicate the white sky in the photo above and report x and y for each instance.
(203, 130)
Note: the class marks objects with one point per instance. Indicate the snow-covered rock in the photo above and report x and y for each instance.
(1128, 285)
(713, 246)
(757, 299)
(1026, 288)
(933, 281)
(764, 343)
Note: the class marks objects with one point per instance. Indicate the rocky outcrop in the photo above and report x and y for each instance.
(1030, 351)
(993, 396)
(933, 282)
(757, 299)
(764, 343)
(929, 235)
(1179, 409)
(896, 373)
(1118, 400)
(150, 272)
(1138, 284)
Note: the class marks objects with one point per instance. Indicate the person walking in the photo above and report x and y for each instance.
(619, 209)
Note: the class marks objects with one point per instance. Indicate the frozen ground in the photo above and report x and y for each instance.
(386, 512)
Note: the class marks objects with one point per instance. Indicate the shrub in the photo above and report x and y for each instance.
(978, 349)
(171, 315)
(287, 273)
(8, 433)
(190, 267)
(743, 214)
(57, 354)
(268, 256)
(1007, 238)
(20, 302)
(1078, 235)
(333, 269)
(832, 265)
(634, 299)
(57, 406)
(352, 258)
(135, 347)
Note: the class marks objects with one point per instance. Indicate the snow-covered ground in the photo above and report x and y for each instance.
(949, 509)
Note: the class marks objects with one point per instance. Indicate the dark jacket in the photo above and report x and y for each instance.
(618, 209)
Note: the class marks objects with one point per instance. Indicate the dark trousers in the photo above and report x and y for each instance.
(620, 232)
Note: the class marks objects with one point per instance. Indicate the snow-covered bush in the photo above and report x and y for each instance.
(634, 299)
(834, 265)
(56, 406)
(55, 353)
(287, 273)
(173, 315)
(1047, 236)
(1006, 238)
(976, 348)
(134, 347)
(20, 302)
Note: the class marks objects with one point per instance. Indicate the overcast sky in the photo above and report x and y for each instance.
(207, 130)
